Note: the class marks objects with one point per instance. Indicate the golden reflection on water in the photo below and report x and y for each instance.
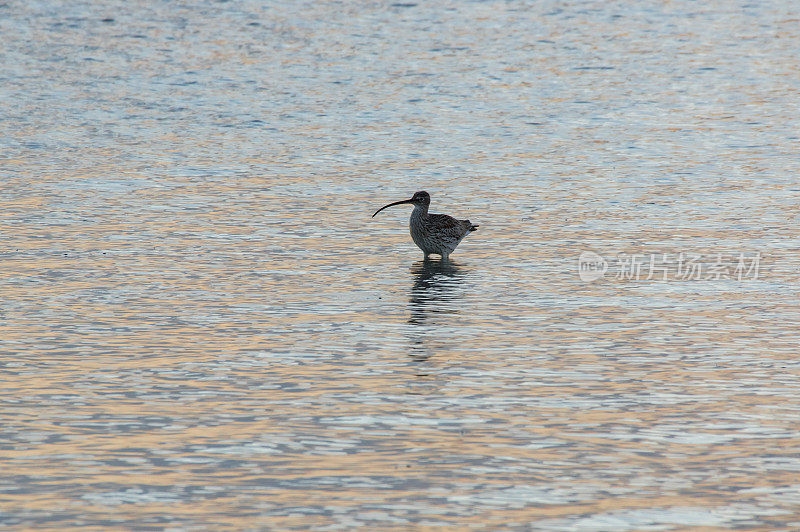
(206, 378)
(575, 407)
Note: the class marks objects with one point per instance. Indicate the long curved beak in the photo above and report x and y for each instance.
(392, 205)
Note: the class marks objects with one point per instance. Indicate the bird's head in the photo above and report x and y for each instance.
(419, 199)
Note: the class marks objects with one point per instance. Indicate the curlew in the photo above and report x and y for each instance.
(433, 233)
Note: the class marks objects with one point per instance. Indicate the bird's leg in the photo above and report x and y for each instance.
(445, 257)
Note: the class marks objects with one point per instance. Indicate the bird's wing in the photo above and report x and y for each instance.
(447, 225)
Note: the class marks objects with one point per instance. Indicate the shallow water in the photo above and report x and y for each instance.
(203, 328)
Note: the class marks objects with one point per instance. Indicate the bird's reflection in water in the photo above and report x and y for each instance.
(436, 286)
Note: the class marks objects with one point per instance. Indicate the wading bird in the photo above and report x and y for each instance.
(433, 233)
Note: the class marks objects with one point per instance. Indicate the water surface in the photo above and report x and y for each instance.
(203, 328)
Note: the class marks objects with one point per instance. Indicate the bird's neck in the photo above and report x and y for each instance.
(419, 210)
